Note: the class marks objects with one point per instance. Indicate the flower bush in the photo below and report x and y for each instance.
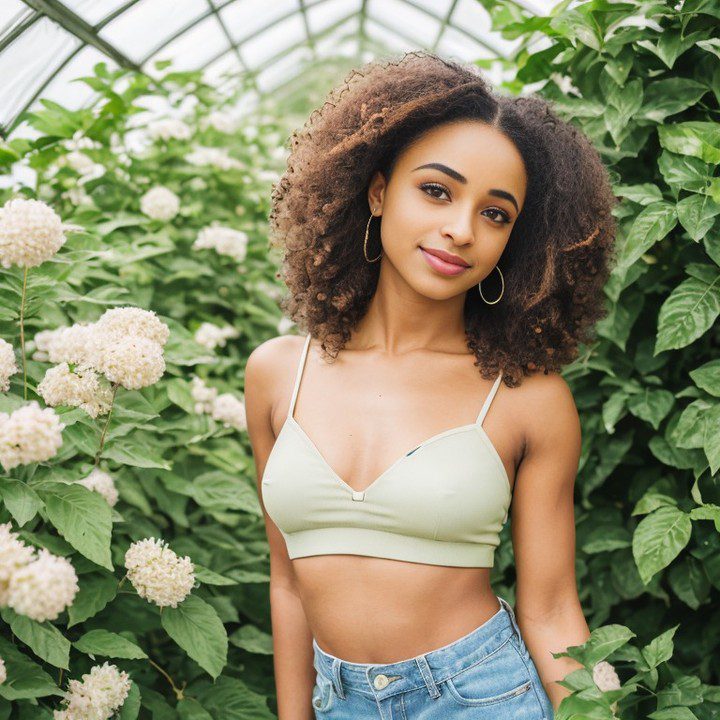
(132, 547)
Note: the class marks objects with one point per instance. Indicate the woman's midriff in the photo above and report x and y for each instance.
(374, 610)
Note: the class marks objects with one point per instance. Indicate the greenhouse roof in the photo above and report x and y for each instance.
(45, 44)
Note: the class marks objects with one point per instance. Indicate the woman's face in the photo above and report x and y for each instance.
(458, 189)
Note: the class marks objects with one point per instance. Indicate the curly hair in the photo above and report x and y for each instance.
(554, 265)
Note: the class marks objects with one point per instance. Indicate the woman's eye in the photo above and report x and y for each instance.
(500, 216)
(433, 186)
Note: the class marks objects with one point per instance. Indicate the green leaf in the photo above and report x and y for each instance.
(96, 591)
(108, 644)
(660, 649)
(670, 96)
(196, 628)
(231, 699)
(130, 709)
(644, 194)
(127, 451)
(651, 405)
(651, 225)
(699, 139)
(659, 538)
(191, 709)
(684, 172)
(707, 377)
(44, 639)
(689, 311)
(83, 518)
(209, 577)
(252, 639)
(21, 500)
(25, 679)
(697, 215)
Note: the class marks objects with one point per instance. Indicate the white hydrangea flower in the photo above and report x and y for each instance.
(267, 176)
(216, 157)
(157, 573)
(99, 696)
(203, 395)
(169, 129)
(212, 336)
(43, 588)
(269, 289)
(160, 203)
(82, 164)
(29, 434)
(3, 671)
(221, 121)
(224, 240)
(103, 483)
(8, 366)
(77, 196)
(197, 184)
(230, 411)
(123, 321)
(31, 232)
(81, 142)
(77, 344)
(605, 677)
(14, 554)
(81, 389)
(132, 361)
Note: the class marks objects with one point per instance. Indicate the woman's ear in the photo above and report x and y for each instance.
(376, 190)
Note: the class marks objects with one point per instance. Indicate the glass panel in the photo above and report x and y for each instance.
(263, 46)
(12, 12)
(195, 47)
(386, 38)
(414, 23)
(93, 11)
(28, 61)
(327, 45)
(458, 46)
(279, 71)
(75, 94)
(327, 13)
(244, 18)
(227, 63)
(437, 7)
(135, 32)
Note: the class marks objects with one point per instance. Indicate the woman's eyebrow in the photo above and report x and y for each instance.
(455, 175)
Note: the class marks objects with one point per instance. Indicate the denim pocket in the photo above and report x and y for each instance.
(496, 678)
(322, 695)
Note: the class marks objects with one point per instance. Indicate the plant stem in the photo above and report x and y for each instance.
(107, 423)
(22, 330)
(178, 691)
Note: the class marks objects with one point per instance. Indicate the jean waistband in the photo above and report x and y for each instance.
(428, 669)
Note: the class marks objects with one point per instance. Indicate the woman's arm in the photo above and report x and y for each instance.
(292, 639)
(547, 605)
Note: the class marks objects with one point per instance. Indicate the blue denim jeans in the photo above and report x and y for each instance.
(487, 674)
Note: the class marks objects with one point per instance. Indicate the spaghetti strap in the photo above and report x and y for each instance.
(489, 399)
(298, 375)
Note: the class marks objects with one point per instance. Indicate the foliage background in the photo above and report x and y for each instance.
(642, 79)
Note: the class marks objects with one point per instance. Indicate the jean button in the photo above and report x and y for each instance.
(380, 682)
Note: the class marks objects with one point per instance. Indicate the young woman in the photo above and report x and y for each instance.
(446, 248)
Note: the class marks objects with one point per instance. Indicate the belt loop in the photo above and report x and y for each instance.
(427, 676)
(337, 680)
(511, 613)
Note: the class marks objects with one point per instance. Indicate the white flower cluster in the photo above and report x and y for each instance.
(223, 122)
(605, 677)
(40, 585)
(3, 671)
(98, 697)
(225, 408)
(157, 573)
(77, 196)
(81, 142)
(29, 434)
(31, 232)
(81, 388)
(212, 336)
(102, 483)
(216, 157)
(8, 366)
(223, 240)
(82, 164)
(160, 203)
(125, 345)
(285, 324)
(169, 129)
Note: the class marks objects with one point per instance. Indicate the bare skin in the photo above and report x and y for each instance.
(405, 375)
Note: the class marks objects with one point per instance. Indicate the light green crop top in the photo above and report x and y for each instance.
(442, 503)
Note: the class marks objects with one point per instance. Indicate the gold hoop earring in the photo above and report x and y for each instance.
(367, 233)
(502, 283)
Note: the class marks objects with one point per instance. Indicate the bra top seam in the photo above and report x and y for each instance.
(298, 376)
(488, 400)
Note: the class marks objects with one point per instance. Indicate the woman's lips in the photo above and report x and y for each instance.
(441, 266)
